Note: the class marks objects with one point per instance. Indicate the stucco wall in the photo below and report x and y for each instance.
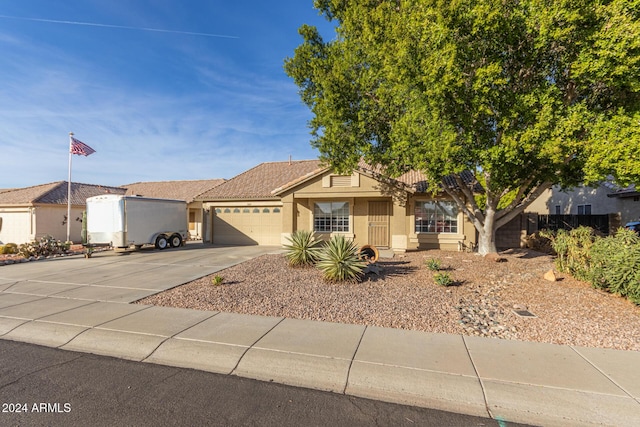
(49, 221)
(569, 200)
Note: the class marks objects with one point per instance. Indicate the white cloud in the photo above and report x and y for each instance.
(232, 120)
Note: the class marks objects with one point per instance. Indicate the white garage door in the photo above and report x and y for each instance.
(15, 227)
(242, 225)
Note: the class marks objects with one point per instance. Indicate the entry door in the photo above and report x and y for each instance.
(379, 224)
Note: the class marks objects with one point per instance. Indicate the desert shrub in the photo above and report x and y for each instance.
(8, 249)
(573, 250)
(340, 260)
(303, 249)
(217, 280)
(443, 279)
(46, 246)
(615, 264)
(433, 264)
(538, 241)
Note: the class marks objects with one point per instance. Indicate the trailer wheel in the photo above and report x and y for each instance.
(162, 242)
(175, 241)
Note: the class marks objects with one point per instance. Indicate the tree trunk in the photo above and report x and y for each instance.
(487, 235)
(487, 243)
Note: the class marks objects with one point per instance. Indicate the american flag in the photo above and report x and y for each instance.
(79, 147)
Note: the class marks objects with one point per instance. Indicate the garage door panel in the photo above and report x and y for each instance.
(255, 225)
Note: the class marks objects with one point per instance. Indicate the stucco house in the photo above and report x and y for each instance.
(267, 203)
(179, 190)
(602, 199)
(30, 213)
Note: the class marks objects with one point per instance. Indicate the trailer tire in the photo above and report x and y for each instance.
(175, 241)
(162, 242)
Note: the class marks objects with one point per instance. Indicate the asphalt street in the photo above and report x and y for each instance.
(41, 386)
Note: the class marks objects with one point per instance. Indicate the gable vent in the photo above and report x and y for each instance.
(341, 181)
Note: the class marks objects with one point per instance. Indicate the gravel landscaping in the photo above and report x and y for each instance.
(483, 300)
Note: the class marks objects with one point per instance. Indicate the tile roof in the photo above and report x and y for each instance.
(179, 190)
(268, 180)
(417, 181)
(55, 193)
(260, 181)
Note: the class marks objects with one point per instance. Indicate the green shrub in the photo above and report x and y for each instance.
(433, 264)
(443, 279)
(340, 260)
(573, 250)
(217, 280)
(303, 250)
(615, 264)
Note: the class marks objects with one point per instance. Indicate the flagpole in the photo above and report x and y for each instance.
(69, 191)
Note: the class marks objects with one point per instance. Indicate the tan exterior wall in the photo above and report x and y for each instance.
(363, 189)
(359, 190)
(196, 227)
(24, 224)
(466, 234)
(50, 218)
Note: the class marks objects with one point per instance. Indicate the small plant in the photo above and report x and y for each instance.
(433, 264)
(443, 279)
(340, 260)
(217, 280)
(303, 250)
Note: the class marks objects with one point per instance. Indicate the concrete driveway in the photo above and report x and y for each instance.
(119, 277)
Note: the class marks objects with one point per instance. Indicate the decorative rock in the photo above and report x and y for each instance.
(550, 276)
(494, 257)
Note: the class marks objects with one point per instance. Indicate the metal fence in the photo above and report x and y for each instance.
(569, 222)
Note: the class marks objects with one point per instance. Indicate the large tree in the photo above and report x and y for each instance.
(525, 94)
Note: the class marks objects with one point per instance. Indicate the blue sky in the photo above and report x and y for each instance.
(155, 105)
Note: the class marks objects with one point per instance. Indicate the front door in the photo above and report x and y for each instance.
(379, 224)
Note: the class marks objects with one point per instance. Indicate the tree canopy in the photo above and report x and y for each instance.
(523, 93)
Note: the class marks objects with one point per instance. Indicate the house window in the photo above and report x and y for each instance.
(558, 212)
(584, 209)
(436, 217)
(331, 217)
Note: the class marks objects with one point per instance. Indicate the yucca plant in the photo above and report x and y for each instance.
(303, 250)
(433, 264)
(340, 260)
(443, 279)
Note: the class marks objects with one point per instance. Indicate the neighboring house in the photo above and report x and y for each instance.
(605, 198)
(30, 213)
(267, 203)
(577, 201)
(179, 190)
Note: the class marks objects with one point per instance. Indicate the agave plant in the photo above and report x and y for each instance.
(303, 249)
(340, 260)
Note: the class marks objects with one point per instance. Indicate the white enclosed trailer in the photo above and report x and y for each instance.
(125, 221)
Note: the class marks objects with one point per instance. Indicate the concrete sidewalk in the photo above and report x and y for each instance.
(76, 304)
